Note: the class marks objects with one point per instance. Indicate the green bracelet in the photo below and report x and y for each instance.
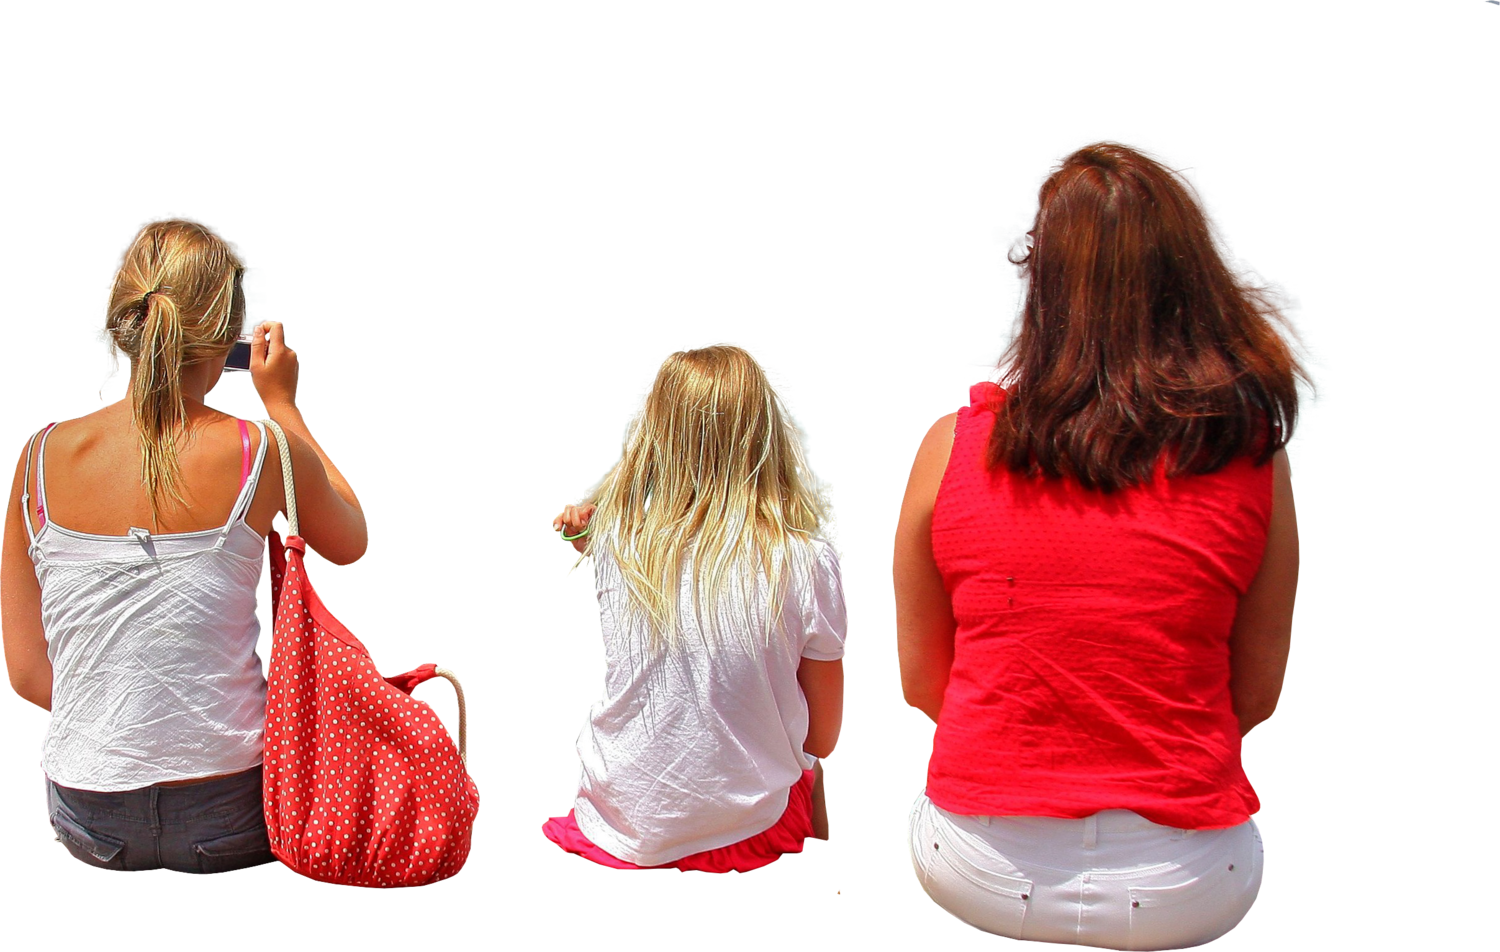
(570, 538)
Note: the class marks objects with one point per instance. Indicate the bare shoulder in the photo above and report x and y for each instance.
(932, 455)
(26, 462)
(104, 419)
(270, 498)
(939, 438)
(18, 487)
(21, 465)
(85, 433)
(927, 475)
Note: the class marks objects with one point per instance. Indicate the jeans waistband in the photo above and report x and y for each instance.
(1105, 821)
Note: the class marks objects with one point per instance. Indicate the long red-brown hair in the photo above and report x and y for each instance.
(1137, 344)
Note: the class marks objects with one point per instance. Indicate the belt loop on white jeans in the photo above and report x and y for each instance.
(1091, 831)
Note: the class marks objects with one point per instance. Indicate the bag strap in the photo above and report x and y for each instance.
(289, 487)
(458, 690)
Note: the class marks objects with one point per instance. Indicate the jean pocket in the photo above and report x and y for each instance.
(234, 851)
(976, 864)
(96, 849)
(967, 879)
(1193, 912)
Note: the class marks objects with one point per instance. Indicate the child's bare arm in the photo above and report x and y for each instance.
(823, 686)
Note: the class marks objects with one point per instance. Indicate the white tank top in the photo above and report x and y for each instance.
(152, 641)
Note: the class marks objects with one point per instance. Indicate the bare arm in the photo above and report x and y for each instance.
(823, 686)
(328, 512)
(1262, 633)
(924, 612)
(21, 606)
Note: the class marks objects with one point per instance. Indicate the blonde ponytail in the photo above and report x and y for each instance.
(171, 306)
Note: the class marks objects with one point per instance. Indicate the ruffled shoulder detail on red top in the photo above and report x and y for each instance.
(984, 393)
(984, 396)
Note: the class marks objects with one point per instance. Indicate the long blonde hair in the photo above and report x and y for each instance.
(714, 463)
(172, 305)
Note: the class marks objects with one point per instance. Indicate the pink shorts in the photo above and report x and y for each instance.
(759, 850)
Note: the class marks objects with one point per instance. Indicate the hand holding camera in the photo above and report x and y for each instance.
(273, 366)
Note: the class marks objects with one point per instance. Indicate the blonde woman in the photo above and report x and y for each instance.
(723, 622)
(133, 543)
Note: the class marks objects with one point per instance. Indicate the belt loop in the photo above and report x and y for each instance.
(1091, 831)
(155, 808)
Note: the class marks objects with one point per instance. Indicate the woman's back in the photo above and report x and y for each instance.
(94, 486)
(151, 635)
(1091, 654)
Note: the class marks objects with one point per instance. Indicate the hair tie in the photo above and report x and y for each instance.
(146, 298)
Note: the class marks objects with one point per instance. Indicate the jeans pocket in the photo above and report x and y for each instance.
(1192, 912)
(233, 851)
(971, 882)
(96, 849)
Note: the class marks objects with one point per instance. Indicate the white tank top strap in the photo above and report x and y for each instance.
(41, 480)
(32, 448)
(247, 492)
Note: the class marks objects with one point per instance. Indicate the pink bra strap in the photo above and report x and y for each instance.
(244, 452)
(41, 494)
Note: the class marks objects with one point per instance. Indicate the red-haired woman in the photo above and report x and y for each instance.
(1095, 568)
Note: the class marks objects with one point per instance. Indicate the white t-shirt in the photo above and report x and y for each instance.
(697, 747)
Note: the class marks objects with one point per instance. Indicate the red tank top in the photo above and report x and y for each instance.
(1091, 658)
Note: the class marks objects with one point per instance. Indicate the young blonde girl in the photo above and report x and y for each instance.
(723, 621)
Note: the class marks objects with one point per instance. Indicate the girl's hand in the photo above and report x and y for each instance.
(273, 366)
(573, 519)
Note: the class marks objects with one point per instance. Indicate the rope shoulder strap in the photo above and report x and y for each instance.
(288, 485)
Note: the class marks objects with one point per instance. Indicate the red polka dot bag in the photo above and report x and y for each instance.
(363, 785)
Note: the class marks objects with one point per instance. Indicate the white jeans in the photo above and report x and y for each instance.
(1114, 879)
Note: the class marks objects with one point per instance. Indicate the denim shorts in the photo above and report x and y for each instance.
(209, 827)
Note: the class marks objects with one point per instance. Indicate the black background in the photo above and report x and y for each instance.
(470, 342)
